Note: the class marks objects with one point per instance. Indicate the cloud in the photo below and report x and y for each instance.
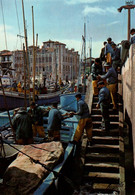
(98, 10)
(72, 2)
(7, 27)
(113, 23)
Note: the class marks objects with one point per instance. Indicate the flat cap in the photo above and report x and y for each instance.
(78, 95)
(100, 83)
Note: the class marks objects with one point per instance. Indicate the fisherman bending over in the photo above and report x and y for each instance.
(54, 122)
(22, 124)
(112, 80)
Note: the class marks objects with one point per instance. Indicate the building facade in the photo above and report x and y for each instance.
(54, 62)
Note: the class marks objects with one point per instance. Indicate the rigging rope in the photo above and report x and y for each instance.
(4, 25)
(18, 22)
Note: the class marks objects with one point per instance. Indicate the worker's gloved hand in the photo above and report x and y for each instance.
(71, 114)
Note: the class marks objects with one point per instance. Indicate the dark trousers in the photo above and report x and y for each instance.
(105, 116)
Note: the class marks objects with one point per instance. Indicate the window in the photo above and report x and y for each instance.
(50, 59)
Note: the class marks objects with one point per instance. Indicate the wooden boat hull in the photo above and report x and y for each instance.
(15, 100)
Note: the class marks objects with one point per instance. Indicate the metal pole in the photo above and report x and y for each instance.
(34, 66)
(128, 25)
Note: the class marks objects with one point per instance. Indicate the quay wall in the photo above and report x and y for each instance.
(128, 80)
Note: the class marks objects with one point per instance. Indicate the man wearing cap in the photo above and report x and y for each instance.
(54, 122)
(102, 53)
(85, 121)
(103, 103)
(115, 56)
(37, 116)
(96, 69)
(22, 124)
(112, 80)
(108, 50)
(14, 86)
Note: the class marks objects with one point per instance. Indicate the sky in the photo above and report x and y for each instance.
(63, 21)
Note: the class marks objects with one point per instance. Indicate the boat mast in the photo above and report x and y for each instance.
(26, 46)
(56, 65)
(129, 5)
(34, 64)
(24, 57)
(90, 52)
(4, 25)
(84, 40)
(36, 57)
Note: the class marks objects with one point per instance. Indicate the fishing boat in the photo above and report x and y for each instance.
(16, 99)
(47, 185)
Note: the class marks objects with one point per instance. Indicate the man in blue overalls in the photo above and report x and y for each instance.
(103, 103)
